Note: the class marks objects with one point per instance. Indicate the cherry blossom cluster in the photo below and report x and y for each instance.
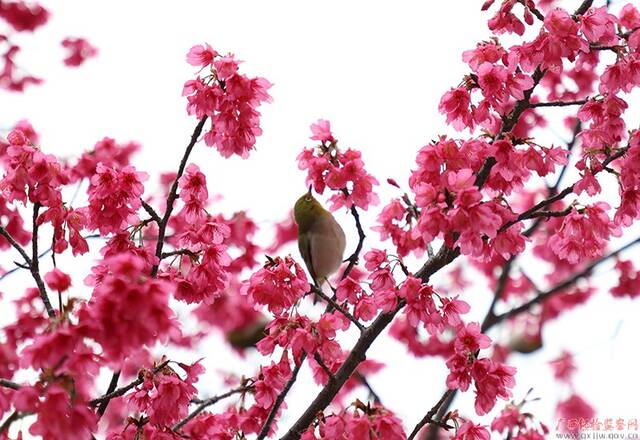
(491, 379)
(228, 98)
(341, 171)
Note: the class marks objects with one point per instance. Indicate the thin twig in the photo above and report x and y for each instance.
(208, 402)
(353, 259)
(558, 103)
(42, 254)
(122, 390)
(173, 193)
(12, 418)
(317, 291)
(35, 263)
(112, 386)
(428, 418)
(276, 405)
(372, 393)
(561, 286)
(9, 384)
(324, 367)
(188, 252)
(152, 212)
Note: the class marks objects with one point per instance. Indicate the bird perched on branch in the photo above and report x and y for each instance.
(321, 239)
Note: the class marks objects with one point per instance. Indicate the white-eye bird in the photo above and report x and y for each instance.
(321, 239)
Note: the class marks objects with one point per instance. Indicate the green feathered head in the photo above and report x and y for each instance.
(306, 210)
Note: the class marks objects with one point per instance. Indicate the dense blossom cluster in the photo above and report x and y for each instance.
(228, 98)
(341, 171)
(170, 255)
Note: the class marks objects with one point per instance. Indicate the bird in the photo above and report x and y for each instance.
(321, 239)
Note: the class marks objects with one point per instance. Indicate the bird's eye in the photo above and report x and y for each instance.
(308, 198)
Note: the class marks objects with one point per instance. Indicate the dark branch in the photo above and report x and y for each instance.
(559, 287)
(173, 193)
(317, 291)
(276, 405)
(122, 390)
(208, 402)
(152, 212)
(9, 384)
(353, 259)
(112, 386)
(558, 103)
(35, 263)
(428, 418)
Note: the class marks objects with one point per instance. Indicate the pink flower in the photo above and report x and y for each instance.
(571, 411)
(140, 304)
(563, 367)
(278, 285)
(339, 170)
(492, 380)
(164, 396)
(492, 80)
(629, 17)
(451, 310)
(585, 234)
(322, 131)
(59, 416)
(470, 339)
(79, 51)
(599, 26)
(471, 431)
(194, 194)
(456, 105)
(628, 281)
(201, 56)
(57, 280)
(230, 102)
(114, 198)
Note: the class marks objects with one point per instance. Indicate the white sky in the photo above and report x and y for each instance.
(376, 70)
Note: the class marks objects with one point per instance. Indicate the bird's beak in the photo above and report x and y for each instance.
(309, 192)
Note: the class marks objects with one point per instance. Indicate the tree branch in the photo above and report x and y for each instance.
(9, 384)
(35, 263)
(353, 259)
(558, 103)
(152, 212)
(122, 390)
(276, 405)
(428, 418)
(561, 286)
(173, 193)
(112, 386)
(317, 291)
(208, 402)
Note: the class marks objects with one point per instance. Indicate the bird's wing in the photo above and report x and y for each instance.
(304, 245)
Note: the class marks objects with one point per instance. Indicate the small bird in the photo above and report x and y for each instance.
(321, 239)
